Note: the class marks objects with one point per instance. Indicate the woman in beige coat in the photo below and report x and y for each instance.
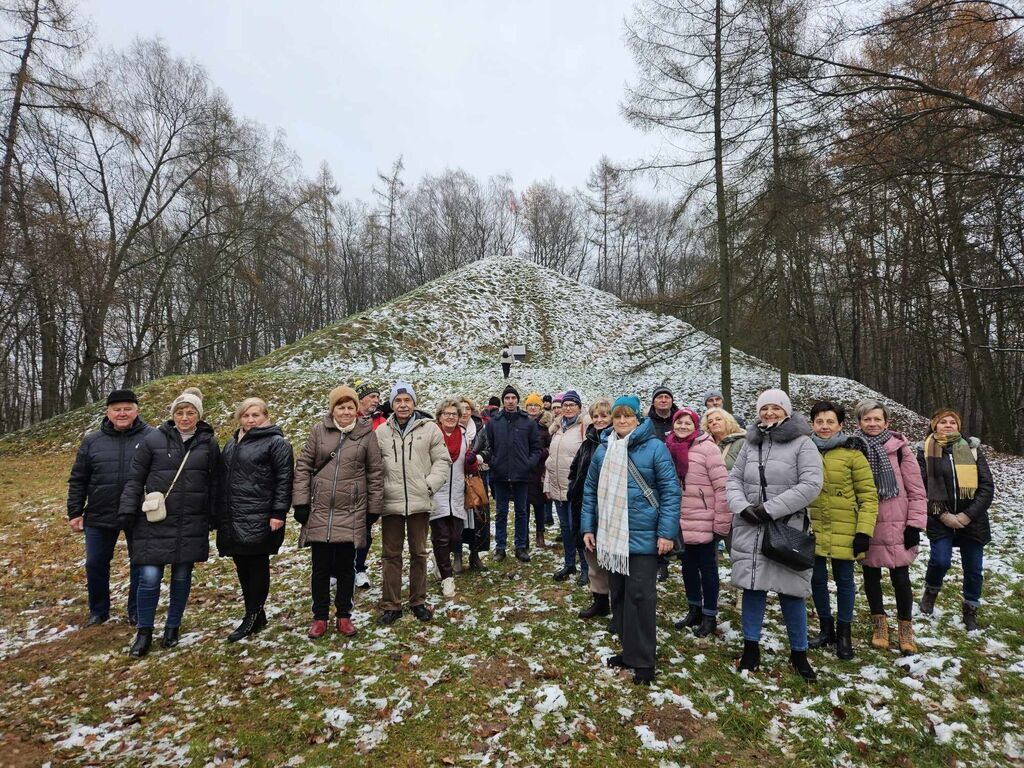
(339, 479)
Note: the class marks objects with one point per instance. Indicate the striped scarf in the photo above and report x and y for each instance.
(881, 467)
(965, 466)
(613, 506)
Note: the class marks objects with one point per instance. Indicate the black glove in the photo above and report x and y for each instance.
(755, 515)
(911, 537)
(301, 513)
(861, 542)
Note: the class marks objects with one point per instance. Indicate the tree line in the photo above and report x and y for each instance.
(848, 200)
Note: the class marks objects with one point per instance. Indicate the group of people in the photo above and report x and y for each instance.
(631, 491)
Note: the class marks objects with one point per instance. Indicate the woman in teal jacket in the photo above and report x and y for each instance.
(630, 516)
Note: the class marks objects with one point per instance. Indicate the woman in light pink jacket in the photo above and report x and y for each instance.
(902, 515)
(703, 516)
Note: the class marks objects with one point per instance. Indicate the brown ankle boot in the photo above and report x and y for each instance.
(905, 633)
(880, 638)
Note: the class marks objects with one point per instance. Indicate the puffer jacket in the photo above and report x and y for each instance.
(908, 509)
(563, 449)
(348, 486)
(848, 502)
(511, 446)
(793, 478)
(450, 499)
(647, 524)
(704, 512)
(578, 478)
(730, 447)
(184, 535)
(255, 486)
(662, 426)
(415, 465)
(979, 530)
(100, 471)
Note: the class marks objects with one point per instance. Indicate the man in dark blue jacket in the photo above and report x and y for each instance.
(94, 494)
(510, 445)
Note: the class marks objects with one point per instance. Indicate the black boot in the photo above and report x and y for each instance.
(261, 621)
(599, 607)
(707, 626)
(751, 658)
(692, 618)
(844, 642)
(927, 603)
(522, 554)
(798, 660)
(827, 636)
(970, 617)
(170, 637)
(643, 675)
(246, 628)
(474, 562)
(140, 647)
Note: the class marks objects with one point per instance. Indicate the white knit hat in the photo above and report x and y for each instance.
(775, 397)
(402, 388)
(187, 398)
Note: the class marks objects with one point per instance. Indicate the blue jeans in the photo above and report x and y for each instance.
(842, 572)
(700, 576)
(794, 611)
(99, 551)
(150, 577)
(504, 492)
(564, 510)
(972, 558)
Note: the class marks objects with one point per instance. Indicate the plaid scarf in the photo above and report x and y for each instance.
(965, 466)
(881, 467)
(613, 506)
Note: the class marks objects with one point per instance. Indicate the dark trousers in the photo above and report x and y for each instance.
(362, 552)
(517, 493)
(446, 537)
(972, 557)
(99, 551)
(328, 560)
(505, 369)
(150, 577)
(569, 548)
(540, 511)
(700, 576)
(842, 572)
(254, 577)
(395, 530)
(634, 602)
(900, 578)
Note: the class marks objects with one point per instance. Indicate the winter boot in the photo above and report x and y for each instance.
(905, 634)
(970, 617)
(927, 603)
(171, 635)
(140, 647)
(844, 640)
(246, 628)
(798, 660)
(599, 607)
(880, 637)
(457, 564)
(539, 541)
(475, 564)
(751, 658)
(261, 620)
(643, 675)
(707, 626)
(827, 636)
(692, 618)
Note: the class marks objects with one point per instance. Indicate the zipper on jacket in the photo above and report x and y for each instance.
(334, 490)
(703, 500)
(405, 483)
(956, 489)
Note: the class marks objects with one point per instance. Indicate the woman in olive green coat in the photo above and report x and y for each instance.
(843, 520)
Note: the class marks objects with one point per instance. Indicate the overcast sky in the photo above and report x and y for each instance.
(531, 88)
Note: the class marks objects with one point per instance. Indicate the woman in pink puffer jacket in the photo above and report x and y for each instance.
(704, 514)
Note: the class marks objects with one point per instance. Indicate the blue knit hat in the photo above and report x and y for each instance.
(572, 396)
(402, 388)
(630, 401)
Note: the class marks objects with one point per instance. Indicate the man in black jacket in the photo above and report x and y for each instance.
(94, 493)
(510, 445)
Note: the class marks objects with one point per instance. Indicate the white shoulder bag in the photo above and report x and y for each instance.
(155, 503)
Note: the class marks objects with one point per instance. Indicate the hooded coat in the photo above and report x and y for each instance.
(909, 509)
(647, 523)
(848, 502)
(416, 465)
(979, 530)
(255, 486)
(704, 512)
(793, 479)
(565, 443)
(184, 535)
(730, 448)
(348, 486)
(100, 472)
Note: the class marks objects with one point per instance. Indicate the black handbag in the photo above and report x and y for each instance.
(788, 546)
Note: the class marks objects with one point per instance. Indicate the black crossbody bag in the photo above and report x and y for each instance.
(788, 546)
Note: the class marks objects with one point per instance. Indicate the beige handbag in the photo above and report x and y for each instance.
(155, 503)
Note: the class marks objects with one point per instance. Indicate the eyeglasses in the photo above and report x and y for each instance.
(451, 413)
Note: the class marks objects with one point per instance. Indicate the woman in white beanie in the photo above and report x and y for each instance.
(777, 474)
(181, 460)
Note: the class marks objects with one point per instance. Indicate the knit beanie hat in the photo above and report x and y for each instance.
(559, 397)
(509, 390)
(402, 388)
(711, 393)
(775, 397)
(662, 391)
(946, 412)
(122, 396)
(191, 396)
(572, 396)
(365, 388)
(630, 401)
(546, 399)
(494, 400)
(339, 394)
(687, 412)
(533, 399)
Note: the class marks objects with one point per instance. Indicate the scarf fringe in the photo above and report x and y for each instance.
(613, 562)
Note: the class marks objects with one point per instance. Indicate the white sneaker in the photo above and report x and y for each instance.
(448, 587)
(362, 580)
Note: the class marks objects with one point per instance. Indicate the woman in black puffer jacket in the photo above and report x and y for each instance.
(255, 495)
(183, 537)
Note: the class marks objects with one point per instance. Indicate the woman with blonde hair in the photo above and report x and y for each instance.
(255, 495)
(727, 433)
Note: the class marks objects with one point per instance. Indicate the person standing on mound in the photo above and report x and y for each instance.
(506, 361)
